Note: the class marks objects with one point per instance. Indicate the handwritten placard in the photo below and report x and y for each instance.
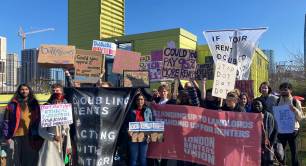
(204, 71)
(56, 115)
(136, 79)
(224, 80)
(144, 60)
(179, 63)
(56, 55)
(285, 119)
(88, 66)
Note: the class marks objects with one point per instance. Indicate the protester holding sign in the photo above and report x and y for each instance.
(295, 106)
(244, 101)
(231, 103)
(139, 112)
(269, 133)
(57, 142)
(267, 96)
(20, 127)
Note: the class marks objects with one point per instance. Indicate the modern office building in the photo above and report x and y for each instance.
(270, 56)
(94, 19)
(12, 69)
(30, 69)
(3, 49)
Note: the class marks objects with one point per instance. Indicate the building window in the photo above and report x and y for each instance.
(2, 65)
(209, 60)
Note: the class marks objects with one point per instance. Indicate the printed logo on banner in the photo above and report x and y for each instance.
(224, 81)
(104, 47)
(136, 79)
(179, 63)
(56, 115)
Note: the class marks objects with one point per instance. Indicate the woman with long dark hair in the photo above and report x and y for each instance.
(139, 112)
(20, 127)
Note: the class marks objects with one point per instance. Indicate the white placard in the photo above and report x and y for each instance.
(104, 47)
(147, 126)
(56, 115)
(285, 119)
(224, 80)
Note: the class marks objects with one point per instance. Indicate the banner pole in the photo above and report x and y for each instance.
(221, 102)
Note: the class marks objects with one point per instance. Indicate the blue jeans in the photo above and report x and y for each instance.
(138, 150)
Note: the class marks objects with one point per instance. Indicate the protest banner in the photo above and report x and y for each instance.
(224, 80)
(285, 119)
(235, 46)
(126, 60)
(245, 86)
(141, 130)
(144, 60)
(154, 68)
(88, 66)
(179, 63)
(208, 137)
(99, 114)
(104, 47)
(204, 71)
(136, 79)
(56, 115)
(56, 56)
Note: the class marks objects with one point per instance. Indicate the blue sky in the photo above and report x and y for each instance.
(284, 18)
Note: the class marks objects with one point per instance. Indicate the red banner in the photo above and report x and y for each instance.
(207, 136)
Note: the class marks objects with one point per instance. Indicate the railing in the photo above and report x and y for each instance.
(40, 79)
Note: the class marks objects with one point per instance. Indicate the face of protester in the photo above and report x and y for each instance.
(163, 93)
(257, 106)
(264, 90)
(285, 92)
(24, 91)
(57, 91)
(187, 85)
(140, 102)
(231, 102)
(244, 100)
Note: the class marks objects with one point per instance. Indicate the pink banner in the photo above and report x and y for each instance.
(207, 136)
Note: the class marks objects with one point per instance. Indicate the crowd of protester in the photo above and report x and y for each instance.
(34, 145)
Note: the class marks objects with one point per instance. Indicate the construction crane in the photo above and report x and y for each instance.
(23, 34)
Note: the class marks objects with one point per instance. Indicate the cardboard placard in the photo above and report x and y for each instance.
(179, 63)
(88, 66)
(141, 130)
(126, 60)
(56, 115)
(204, 71)
(224, 81)
(56, 56)
(136, 79)
(104, 47)
(144, 60)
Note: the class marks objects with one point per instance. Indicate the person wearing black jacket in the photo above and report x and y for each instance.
(269, 133)
(231, 103)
